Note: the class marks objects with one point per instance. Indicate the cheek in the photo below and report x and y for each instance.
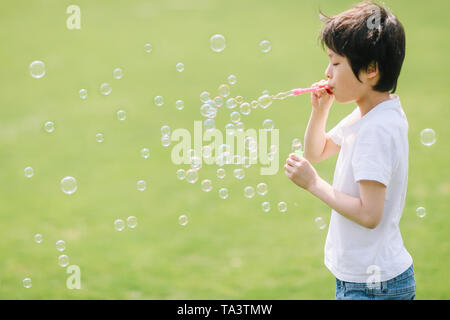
(348, 86)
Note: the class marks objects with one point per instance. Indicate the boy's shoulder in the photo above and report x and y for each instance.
(389, 116)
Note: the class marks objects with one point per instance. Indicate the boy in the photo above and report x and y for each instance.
(364, 249)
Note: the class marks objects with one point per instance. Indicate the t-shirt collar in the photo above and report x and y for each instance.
(393, 102)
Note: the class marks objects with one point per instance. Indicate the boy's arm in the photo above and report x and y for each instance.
(318, 146)
(365, 211)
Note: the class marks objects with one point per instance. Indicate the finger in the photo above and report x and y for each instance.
(288, 168)
(290, 162)
(295, 157)
(317, 94)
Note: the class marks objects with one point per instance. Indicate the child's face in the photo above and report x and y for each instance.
(345, 86)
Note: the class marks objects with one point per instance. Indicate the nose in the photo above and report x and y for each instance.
(327, 72)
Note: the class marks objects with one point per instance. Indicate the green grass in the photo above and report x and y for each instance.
(280, 255)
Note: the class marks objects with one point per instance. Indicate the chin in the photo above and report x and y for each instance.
(343, 100)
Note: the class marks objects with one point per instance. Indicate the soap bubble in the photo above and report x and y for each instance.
(223, 193)
(192, 153)
(209, 124)
(249, 192)
(207, 185)
(232, 79)
(220, 173)
(145, 153)
(265, 206)
(207, 152)
(239, 173)
(254, 104)
(235, 116)
(223, 148)
(428, 137)
(105, 89)
(268, 124)
(68, 185)
(165, 130)
(37, 69)
(117, 73)
(119, 225)
(49, 126)
(421, 212)
(237, 159)
(83, 93)
(196, 162)
(148, 47)
(230, 129)
(63, 260)
(180, 67)
(282, 206)
(28, 171)
(165, 141)
(222, 159)
(265, 46)
(179, 104)
(239, 99)
(217, 42)
(265, 101)
(231, 103)
(224, 90)
(159, 101)
(296, 144)
(191, 176)
(181, 174)
(60, 245)
(121, 115)
(262, 188)
(99, 137)
(245, 108)
(183, 220)
(205, 96)
(218, 101)
(250, 144)
(132, 222)
(141, 185)
(320, 223)
(208, 111)
(246, 162)
(27, 283)
(38, 238)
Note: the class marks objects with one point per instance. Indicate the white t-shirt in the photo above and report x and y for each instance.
(375, 147)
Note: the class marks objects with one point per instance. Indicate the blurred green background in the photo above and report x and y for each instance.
(230, 248)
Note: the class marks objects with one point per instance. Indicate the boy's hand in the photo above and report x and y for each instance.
(300, 171)
(321, 100)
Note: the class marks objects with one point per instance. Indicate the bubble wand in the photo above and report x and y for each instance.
(266, 100)
(298, 91)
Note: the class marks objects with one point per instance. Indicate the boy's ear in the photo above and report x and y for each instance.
(372, 70)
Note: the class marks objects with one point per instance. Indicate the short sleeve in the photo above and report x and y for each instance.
(336, 134)
(373, 155)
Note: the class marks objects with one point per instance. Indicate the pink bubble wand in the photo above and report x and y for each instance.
(299, 91)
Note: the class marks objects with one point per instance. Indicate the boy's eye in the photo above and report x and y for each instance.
(335, 64)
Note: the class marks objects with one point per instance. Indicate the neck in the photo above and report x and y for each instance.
(371, 100)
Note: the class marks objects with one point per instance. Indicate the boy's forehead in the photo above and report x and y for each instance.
(330, 52)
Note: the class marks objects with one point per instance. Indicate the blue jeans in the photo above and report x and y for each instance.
(402, 287)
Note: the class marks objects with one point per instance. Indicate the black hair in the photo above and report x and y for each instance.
(365, 34)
